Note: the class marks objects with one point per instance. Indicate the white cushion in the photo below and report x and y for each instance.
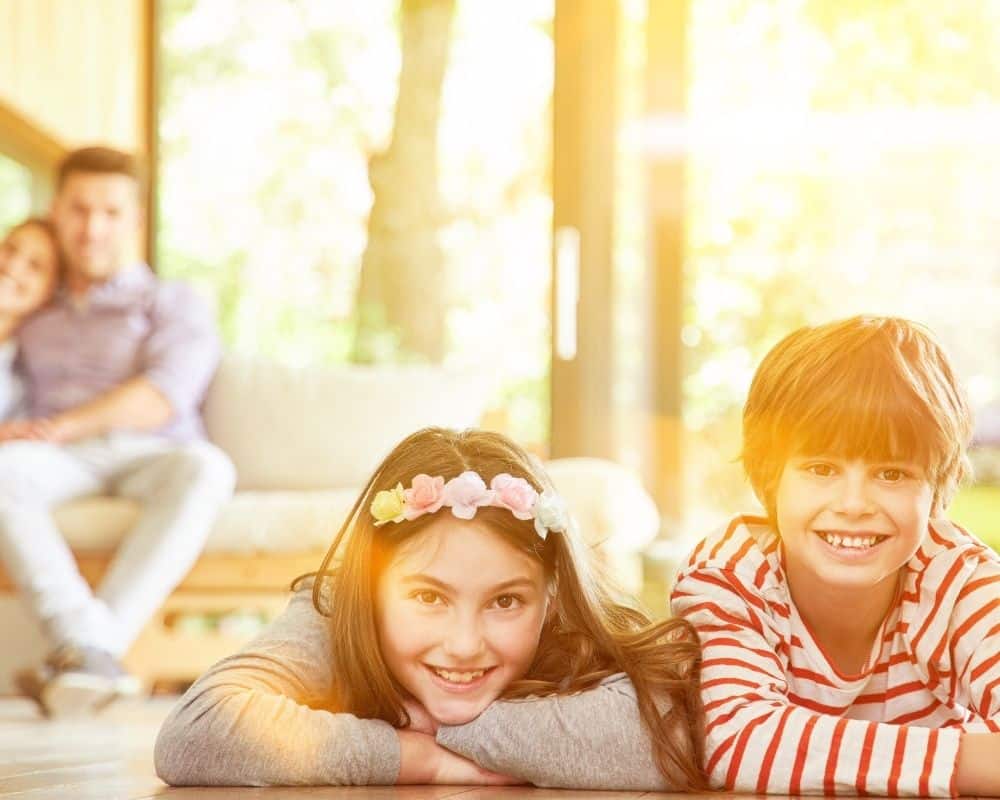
(329, 427)
(608, 501)
(252, 522)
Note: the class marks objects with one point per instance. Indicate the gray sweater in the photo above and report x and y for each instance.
(246, 722)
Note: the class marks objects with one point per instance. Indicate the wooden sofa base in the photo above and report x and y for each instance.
(170, 653)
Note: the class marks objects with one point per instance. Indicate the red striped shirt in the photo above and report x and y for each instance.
(781, 719)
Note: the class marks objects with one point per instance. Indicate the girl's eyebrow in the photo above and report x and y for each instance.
(420, 577)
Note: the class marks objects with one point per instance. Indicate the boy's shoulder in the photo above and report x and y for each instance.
(747, 544)
(947, 541)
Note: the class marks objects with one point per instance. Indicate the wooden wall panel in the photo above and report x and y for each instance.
(76, 69)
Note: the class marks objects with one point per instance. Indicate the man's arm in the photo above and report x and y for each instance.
(177, 362)
(134, 405)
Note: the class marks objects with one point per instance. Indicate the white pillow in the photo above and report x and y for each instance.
(329, 427)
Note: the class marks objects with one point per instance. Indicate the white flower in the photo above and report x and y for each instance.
(550, 514)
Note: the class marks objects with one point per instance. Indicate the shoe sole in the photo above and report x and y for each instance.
(77, 694)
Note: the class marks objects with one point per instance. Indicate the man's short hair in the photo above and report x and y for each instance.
(872, 388)
(104, 160)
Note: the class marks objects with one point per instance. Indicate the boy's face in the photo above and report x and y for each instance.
(851, 524)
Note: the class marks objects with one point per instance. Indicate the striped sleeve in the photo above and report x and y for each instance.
(761, 739)
(974, 644)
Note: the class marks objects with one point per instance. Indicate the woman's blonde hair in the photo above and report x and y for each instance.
(873, 388)
(590, 635)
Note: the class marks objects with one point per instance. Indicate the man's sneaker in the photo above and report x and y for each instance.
(76, 680)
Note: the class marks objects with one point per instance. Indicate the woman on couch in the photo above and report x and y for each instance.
(29, 273)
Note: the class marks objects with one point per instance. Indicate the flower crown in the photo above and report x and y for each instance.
(468, 492)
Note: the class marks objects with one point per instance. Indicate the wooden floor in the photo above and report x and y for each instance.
(110, 757)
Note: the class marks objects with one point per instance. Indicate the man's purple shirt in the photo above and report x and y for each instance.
(132, 325)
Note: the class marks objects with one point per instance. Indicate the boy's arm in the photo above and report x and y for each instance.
(974, 642)
(246, 722)
(591, 740)
(758, 739)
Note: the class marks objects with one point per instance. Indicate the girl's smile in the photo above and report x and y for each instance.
(459, 614)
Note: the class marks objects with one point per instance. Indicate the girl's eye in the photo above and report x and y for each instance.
(508, 601)
(427, 597)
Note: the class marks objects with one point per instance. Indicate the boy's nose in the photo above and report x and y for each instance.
(854, 497)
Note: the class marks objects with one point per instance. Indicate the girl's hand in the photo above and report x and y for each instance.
(423, 760)
(420, 720)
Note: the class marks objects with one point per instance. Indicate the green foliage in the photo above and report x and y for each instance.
(839, 165)
(977, 509)
(269, 119)
(15, 192)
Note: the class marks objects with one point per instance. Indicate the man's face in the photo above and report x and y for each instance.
(96, 216)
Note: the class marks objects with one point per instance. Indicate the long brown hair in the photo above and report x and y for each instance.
(591, 634)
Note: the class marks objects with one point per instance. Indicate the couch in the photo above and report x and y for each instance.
(304, 441)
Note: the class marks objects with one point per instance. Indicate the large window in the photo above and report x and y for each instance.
(839, 158)
(843, 161)
(269, 118)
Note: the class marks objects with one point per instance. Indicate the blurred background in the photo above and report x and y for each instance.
(617, 206)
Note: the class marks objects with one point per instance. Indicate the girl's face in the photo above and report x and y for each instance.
(459, 615)
(28, 270)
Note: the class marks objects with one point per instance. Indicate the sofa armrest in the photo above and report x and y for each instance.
(610, 505)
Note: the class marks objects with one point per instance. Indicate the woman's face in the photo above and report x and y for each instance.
(459, 615)
(29, 267)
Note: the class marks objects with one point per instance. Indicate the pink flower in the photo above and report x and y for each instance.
(514, 494)
(465, 494)
(425, 496)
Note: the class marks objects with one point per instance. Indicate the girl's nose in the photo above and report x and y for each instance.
(464, 640)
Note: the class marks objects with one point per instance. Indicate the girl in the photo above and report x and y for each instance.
(29, 270)
(466, 587)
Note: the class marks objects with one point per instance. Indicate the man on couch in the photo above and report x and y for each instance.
(115, 370)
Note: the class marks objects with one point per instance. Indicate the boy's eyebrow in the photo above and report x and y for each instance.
(419, 577)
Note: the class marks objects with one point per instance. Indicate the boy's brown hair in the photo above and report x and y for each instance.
(874, 388)
(104, 160)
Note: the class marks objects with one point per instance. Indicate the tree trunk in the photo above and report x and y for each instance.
(401, 299)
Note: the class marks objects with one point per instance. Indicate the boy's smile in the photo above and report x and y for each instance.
(850, 524)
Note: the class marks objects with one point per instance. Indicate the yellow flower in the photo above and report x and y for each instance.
(388, 506)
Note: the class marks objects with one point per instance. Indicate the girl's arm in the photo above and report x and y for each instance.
(591, 740)
(247, 721)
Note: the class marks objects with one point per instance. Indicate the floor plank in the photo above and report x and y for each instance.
(109, 757)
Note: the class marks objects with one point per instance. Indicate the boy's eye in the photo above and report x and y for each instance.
(427, 597)
(891, 474)
(820, 469)
(508, 601)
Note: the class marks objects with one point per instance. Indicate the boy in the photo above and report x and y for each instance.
(852, 637)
